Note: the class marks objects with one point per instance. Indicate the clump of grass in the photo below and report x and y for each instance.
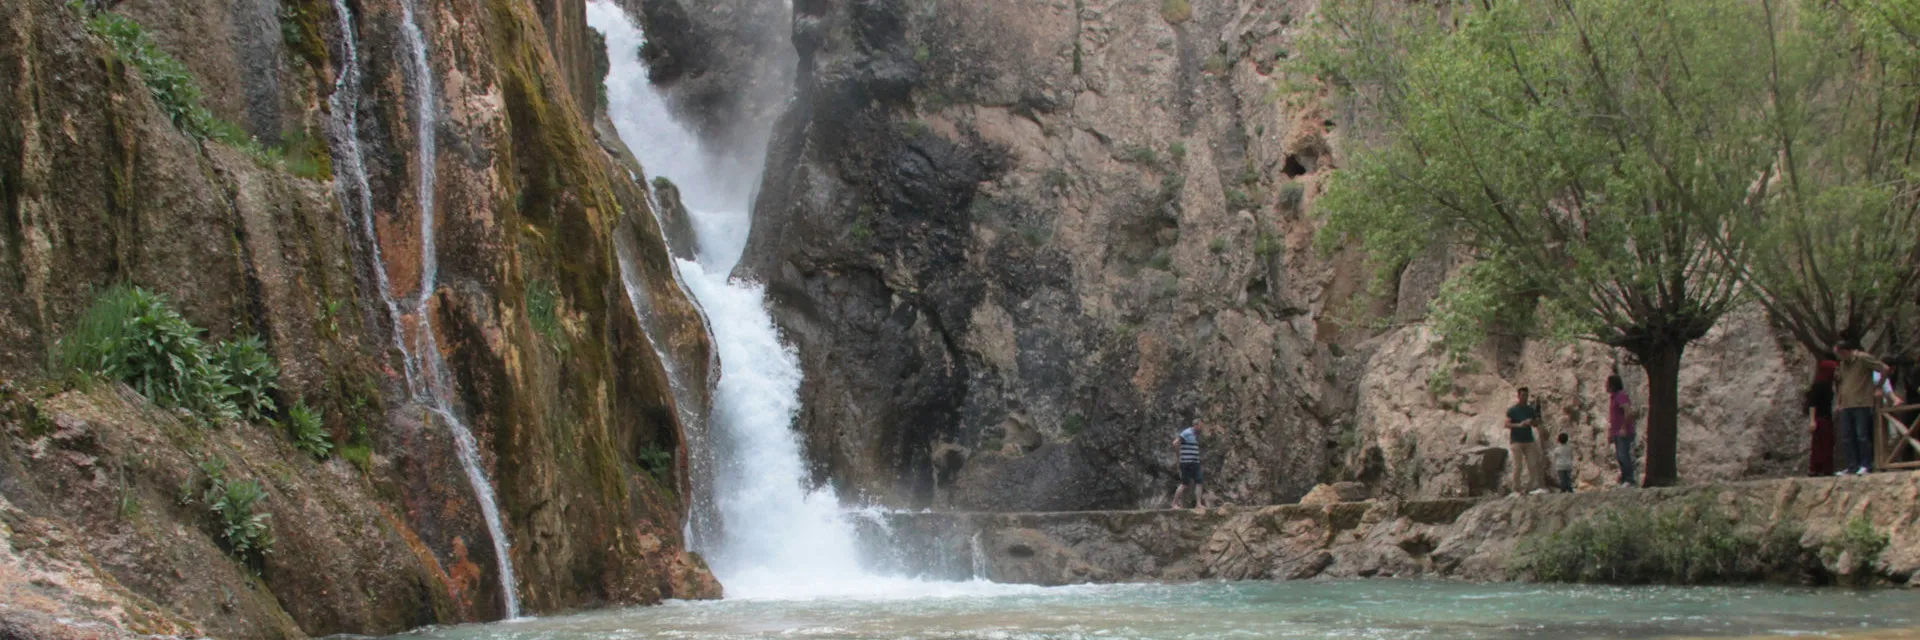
(252, 377)
(1688, 543)
(1240, 200)
(1057, 179)
(1178, 151)
(1161, 260)
(1217, 246)
(1176, 11)
(132, 335)
(1037, 235)
(1291, 195)
(1073, 425)
(543, 312)
(1141, 155)
(308, 430)
(1217, 65)
(1171, 185)
(1265, 245)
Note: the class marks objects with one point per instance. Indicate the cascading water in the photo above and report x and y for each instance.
(776, 539)
(424, 368)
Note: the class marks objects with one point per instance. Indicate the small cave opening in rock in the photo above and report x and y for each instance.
(1020, 551)
(1417, 546)
(1297, 166)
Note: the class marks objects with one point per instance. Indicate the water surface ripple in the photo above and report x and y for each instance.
(1375, 609)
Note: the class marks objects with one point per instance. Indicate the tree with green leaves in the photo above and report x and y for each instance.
(1838, 245)
(1592, 156)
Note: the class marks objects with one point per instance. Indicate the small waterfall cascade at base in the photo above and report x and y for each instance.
(978, 556)
(412, 321)
(776, 538)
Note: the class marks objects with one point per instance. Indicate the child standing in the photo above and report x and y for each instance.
(1563, 463)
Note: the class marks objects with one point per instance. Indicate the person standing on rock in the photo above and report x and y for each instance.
(1187, 443)
(1856, 395)
(1820, 413)
(1563, 463)
(1529, 465)
(1620, 432)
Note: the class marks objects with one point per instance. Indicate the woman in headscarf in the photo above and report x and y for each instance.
(1820, 412)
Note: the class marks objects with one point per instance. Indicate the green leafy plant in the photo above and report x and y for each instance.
(1857, 547)
(308, 430)
(246, 535)
(1687, 542)
(171, 83)
(252, 377)
(133, 336)
(1073, 425)
(1178, 151)
(657, 461)
(1217, 246)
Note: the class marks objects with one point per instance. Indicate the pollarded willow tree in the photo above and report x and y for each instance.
(1835, 253)
(1591, 155)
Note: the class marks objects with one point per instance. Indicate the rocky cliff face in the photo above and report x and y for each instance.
(547, 359)
(1018, 245)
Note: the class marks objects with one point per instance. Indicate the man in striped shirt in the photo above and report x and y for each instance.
(1188, 444)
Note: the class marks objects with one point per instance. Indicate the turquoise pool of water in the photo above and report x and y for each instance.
(1382, 609)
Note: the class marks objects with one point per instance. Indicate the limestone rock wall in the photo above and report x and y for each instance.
(98, 187)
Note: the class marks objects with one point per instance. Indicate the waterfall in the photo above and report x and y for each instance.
(977, 556)
(776, 537)
(350, 183)
(424, 368)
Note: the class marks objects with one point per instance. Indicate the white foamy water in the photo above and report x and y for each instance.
(423, 366)
(777, 538)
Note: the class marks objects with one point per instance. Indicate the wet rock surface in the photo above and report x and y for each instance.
(1459, 538)
(98, 186)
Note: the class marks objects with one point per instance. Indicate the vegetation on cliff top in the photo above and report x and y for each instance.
(1626, 172)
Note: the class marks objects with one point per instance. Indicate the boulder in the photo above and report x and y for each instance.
(1336, 493)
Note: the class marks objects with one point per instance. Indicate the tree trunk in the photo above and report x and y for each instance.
(1662, 364)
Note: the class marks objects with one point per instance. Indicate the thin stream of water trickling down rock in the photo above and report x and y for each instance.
(423, 366)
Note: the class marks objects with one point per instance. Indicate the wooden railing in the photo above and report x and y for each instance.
(1896, 443)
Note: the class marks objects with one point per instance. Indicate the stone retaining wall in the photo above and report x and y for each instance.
(1452, 538)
